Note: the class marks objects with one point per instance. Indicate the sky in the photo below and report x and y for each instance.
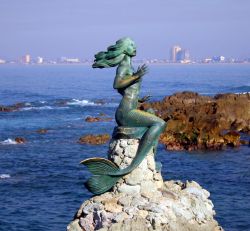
(81, 28)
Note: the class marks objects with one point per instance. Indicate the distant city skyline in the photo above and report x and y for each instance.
(81, 28)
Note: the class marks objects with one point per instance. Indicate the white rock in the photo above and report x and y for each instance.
(151, 162)
(148, 187)
(139, 202)
(131, 150)
(142, 201)
(123, 143)
(144, 165)
(129, 189)
(74, 226)
(87, 223)
(197, 192)
(135, 177)
(133, 142)
(112, 144)
(92, 207)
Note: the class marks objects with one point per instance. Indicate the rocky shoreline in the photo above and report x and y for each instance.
(194, 121)
(203, 122)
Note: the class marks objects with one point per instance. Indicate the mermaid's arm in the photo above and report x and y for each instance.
(122, 80)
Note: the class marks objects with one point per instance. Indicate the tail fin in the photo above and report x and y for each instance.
(100, 184)
(101, 181)
(100, 166)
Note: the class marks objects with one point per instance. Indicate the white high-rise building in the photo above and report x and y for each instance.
(39, 60)
(27, 59)
(174, 52)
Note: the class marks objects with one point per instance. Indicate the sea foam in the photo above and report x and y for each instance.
(8, 141)
(81, 102)
(4, 176)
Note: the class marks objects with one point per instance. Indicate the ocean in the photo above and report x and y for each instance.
(41, 181)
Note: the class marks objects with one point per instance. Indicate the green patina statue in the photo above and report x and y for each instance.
(131, 121)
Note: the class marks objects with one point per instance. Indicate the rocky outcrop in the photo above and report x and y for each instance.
(143, 201)
(20, 140)
(42, 131)
(11, 108)
(94, 139)
(91, 119)
(202, 122)
(177, 206)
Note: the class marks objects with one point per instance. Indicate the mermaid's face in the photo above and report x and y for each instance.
(131, 49)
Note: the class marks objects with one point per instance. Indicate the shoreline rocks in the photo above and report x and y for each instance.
(94, 139)
(202, 122)
(11, 108)
(91, 119)
(20, 140)
(178, 206)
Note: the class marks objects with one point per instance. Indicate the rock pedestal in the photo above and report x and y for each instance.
(144, 180)
(142, 201)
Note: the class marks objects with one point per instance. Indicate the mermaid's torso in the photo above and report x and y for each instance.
(129, 100)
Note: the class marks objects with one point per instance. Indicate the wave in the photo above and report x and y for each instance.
(241, 89)
(63, 104)
(83, 102)
(42, 108)
(111, 105)
(4, 176)
(8, 141)
(37, 108)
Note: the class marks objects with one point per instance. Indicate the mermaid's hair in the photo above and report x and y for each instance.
(114, 54)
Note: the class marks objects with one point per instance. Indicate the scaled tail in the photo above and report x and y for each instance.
(99, 184)
(106, 173)
(101, 181)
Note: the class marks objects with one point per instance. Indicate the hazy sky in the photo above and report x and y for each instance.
(80, 28)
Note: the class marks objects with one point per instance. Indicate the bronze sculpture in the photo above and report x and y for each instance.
(131, 121)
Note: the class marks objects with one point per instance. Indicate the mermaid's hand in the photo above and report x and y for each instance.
(141, 71)
(145, 98)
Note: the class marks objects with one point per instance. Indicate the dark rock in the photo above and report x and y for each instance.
(244, 142)
(232, 139)
(91, 119)
(197, 122)
(11, 108)
(42, 131)
(20, 140)
(94, 139)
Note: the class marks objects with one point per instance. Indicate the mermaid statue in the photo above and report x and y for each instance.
(127, 82)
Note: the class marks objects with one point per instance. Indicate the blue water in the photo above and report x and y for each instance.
(41, 182)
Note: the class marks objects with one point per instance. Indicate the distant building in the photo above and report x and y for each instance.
(207, 60)
(70, 60)
(220, 59)
(183, 56)
(179, 55)
(174, 53)
(2, 61)
(39, 60)
(26, 59)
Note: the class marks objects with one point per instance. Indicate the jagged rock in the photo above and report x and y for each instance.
(42, 131)
(97, 119)
(11, 108)
(232, 138)
(198, 122)
(94, 139)
(142, 201)
(20, 140)
(74, 226)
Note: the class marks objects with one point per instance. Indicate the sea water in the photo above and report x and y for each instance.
(41, 181)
